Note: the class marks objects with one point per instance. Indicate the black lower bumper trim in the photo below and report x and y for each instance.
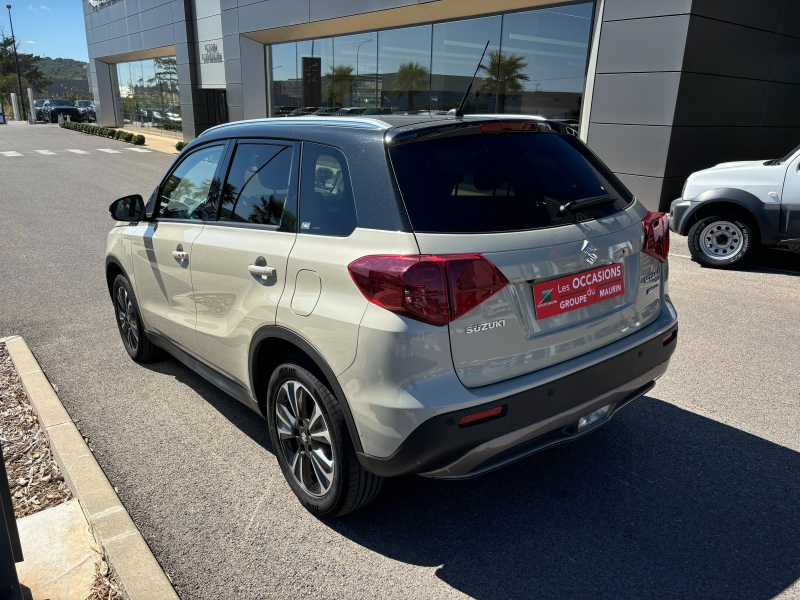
(439, 441)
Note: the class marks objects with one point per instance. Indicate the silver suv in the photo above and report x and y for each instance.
(419, 296)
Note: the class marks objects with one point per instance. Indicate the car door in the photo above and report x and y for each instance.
(790, 199)
(162, 250)
(239, 261)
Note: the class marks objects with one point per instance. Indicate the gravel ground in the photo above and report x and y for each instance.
(35, 480)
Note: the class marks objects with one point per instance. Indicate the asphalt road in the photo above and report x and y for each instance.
(691, 492)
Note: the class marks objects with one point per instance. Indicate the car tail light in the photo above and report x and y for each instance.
(482, 416)
(656, 236)
(428, 288)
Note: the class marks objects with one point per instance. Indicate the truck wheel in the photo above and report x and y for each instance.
(722, 240)
(312, 444)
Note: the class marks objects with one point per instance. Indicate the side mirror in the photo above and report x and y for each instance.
(129, 208)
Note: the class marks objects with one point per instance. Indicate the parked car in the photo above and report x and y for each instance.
(283, 111)
(38, 114)
(302, 111)
(352, 111)
(398, 297)
(173, 113)
(148, 115)
(59, 106)
(86, 108)
(377, 111)
(730, 209)
(326, 112)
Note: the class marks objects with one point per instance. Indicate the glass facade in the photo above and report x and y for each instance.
(147, 98)
(535, 64)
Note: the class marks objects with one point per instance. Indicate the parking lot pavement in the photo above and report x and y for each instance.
(691, 492)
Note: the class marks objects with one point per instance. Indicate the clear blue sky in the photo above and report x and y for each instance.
(51, 28)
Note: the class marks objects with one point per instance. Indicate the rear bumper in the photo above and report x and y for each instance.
(532, 420)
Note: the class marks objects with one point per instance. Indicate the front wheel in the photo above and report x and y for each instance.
(312, 444)
(722, 241)
(131, 329)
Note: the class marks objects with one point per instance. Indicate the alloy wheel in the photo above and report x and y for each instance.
(127, 319)
(721, 240)
(305, 438)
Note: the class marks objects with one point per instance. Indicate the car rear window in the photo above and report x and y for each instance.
(498, 182)
(60, 103)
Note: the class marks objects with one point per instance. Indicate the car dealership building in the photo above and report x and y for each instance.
(660, 88)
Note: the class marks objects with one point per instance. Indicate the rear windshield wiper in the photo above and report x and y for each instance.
(576, 205)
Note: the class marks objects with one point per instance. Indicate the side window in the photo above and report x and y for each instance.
(260, 186)
(326, 199)
(185, 195)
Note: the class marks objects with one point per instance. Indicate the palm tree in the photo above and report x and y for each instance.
(411, 77)
(504, 75)
(340, 79)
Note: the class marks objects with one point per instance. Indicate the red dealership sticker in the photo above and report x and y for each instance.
(576, 291)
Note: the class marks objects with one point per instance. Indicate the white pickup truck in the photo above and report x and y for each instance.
(729, 209)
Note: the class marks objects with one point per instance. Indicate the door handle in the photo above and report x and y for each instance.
(180, 255)
(262, 270)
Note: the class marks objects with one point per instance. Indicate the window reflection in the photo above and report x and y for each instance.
(535, 64)
(457, 48)
(147, 96)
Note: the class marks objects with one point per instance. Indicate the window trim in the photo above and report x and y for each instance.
(225, 144)
(231, 153)
(300, 191)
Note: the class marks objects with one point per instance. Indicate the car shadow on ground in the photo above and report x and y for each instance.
(659, 503)
(775, 258)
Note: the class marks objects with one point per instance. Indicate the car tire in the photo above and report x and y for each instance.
(723, 240)
(129, 323)
(302, 413)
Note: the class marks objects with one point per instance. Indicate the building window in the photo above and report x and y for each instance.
(535, 64)
(147, 98)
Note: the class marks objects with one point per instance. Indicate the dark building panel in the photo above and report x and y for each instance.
(774, 142)
(786, 60)
(761, 14)
(790, 19)
(712, 100)
(781, 105)
(642, 45)
(635, 98)
(631, 149)
(695, 148)
(720, 48)
(638, 9)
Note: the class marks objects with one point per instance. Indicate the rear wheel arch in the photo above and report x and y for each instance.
(270, 346)
(722, 206)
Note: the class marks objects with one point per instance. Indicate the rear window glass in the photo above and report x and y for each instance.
(486, 183)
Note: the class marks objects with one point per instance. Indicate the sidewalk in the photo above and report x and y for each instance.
(157, 142)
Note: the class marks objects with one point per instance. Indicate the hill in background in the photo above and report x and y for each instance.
(62, 68)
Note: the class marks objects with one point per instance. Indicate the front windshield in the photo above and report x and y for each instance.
(83, 103)
(789, 156)
(60, 103)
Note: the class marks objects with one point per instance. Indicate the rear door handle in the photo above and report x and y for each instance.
(180, 255)
(264, 270)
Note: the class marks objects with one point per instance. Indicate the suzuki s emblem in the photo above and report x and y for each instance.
(590, 252)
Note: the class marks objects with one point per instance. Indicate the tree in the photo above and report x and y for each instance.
(412, 77)
(28, 64)
(504, 75)
(340, 81)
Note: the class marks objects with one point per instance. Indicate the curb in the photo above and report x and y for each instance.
(137, 570)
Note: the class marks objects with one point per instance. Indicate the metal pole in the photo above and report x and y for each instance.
(16, 61)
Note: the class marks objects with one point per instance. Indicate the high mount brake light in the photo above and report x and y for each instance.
(656, 236)
(428, 288)
(513, 126)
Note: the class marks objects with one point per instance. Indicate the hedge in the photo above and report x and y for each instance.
(180, 146)
(108, 132)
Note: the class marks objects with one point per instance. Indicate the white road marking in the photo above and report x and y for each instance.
(109, 151)
(77, 151)
(47, 152)
(138, 150)
(11, 153)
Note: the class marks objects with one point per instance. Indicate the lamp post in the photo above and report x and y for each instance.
(16, 62)
(358, 49)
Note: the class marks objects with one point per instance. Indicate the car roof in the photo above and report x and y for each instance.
(380, 124)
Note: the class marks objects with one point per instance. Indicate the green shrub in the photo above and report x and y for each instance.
(180, 146)
(111, 132)
(127, 137)
(119, 134)
(138, 140)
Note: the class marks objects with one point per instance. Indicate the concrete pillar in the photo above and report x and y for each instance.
(103, 93)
